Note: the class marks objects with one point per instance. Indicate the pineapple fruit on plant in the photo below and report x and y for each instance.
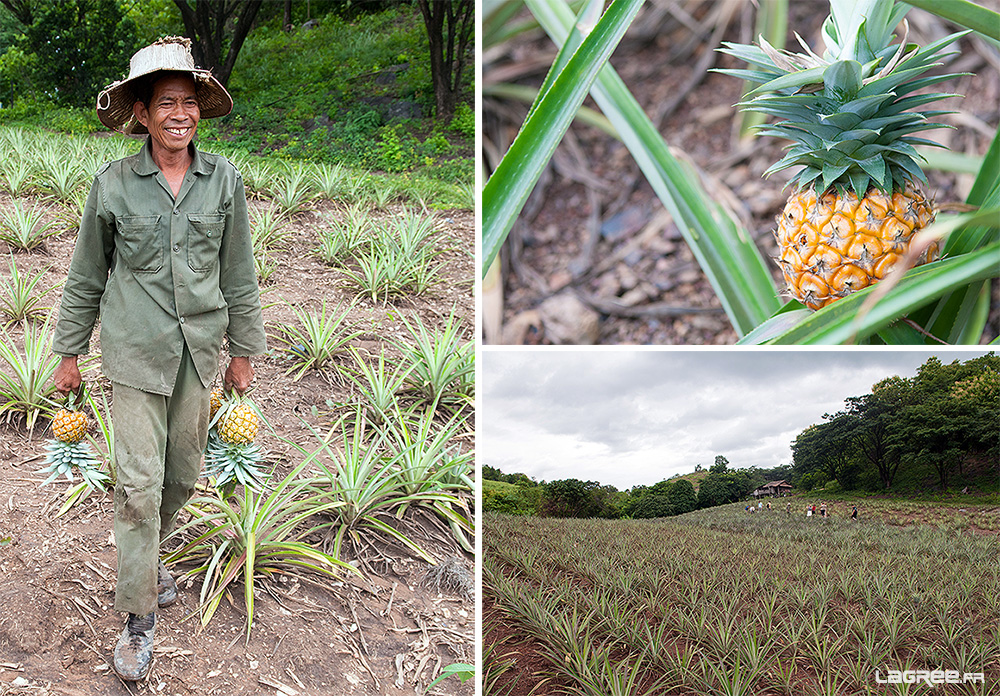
(850, 116)
(231, 455)
(67, 450)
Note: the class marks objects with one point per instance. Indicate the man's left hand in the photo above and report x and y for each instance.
(238, 375)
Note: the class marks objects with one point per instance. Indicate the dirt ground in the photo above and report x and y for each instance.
(389, 633)
(594, 257)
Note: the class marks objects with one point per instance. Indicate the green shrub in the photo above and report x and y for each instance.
(464, 121)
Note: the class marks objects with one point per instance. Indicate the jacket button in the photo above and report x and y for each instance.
(177, 211)
(182, 320)
(177, 247)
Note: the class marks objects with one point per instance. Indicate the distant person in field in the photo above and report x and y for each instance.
(822, 510)
(854, 513)
(788, 508)
(165, 257)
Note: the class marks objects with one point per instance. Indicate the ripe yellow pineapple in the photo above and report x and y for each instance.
(70, 425)
(215, 401)
(832, 246)
(238, 426)
(857, 204)
(67, 452)
(231, 455)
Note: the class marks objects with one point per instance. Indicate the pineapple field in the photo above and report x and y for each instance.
(720, 601)
(741, 172)
(328, 549)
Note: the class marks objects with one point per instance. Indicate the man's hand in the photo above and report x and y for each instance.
(67, 376)
(238, 375)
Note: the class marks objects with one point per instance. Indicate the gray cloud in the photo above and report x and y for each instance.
(636, 416)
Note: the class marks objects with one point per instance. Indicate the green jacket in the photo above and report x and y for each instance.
(162, 272)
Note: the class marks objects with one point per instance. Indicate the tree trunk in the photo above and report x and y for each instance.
(449, 25)
(205, 24)
(287, 24)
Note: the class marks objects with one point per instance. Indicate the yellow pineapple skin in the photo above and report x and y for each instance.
(70, 426)
(215, 402)
(239, 426)
(831, 245)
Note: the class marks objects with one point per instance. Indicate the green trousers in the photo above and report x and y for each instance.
(159, 443)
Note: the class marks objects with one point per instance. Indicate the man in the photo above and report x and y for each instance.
(164, 254)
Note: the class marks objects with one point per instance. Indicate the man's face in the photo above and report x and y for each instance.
(173, 113)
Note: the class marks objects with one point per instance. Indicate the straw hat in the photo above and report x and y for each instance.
(115, 102)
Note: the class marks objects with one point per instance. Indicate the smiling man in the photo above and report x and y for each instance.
(164, 256)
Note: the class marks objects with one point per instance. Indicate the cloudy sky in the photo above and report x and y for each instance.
(629, 417)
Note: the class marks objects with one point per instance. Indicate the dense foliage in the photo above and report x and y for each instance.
(940, 427)
(66, 52)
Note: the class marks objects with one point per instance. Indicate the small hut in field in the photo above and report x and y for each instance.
(773, 489)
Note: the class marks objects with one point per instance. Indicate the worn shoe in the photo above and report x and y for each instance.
(134, 652)
(166, 588)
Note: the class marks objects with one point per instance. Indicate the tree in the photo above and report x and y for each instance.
(721, 465)
(78, 46)
(682, 497)
(568, 498)
(491, 473)
(713, 491)
(878, 417)
(449, 26)
(207, 24)
(652, 506)
(829, 447)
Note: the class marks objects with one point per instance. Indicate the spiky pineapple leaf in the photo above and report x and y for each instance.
(506, 191)
(842, 80)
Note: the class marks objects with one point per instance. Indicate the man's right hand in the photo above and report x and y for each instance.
(67, 376)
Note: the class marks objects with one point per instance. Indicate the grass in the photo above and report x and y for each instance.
(770, 602)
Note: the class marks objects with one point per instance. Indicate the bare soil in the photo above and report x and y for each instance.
(594, 257)
(389, 633)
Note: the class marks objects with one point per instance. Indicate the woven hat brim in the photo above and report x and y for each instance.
(115, 103)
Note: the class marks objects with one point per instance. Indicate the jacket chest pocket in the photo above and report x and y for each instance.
(139, 244)
(204, 239)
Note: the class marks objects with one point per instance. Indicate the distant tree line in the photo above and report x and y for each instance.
(576, 498)
(940, 427)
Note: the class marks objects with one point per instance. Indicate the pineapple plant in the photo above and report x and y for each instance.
(850, 115)
(231, 455)
(67, 450)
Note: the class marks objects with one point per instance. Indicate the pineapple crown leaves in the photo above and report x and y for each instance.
(76, 399)
(63, 457)
(848, 113)
(860, 29)
(232, 464)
